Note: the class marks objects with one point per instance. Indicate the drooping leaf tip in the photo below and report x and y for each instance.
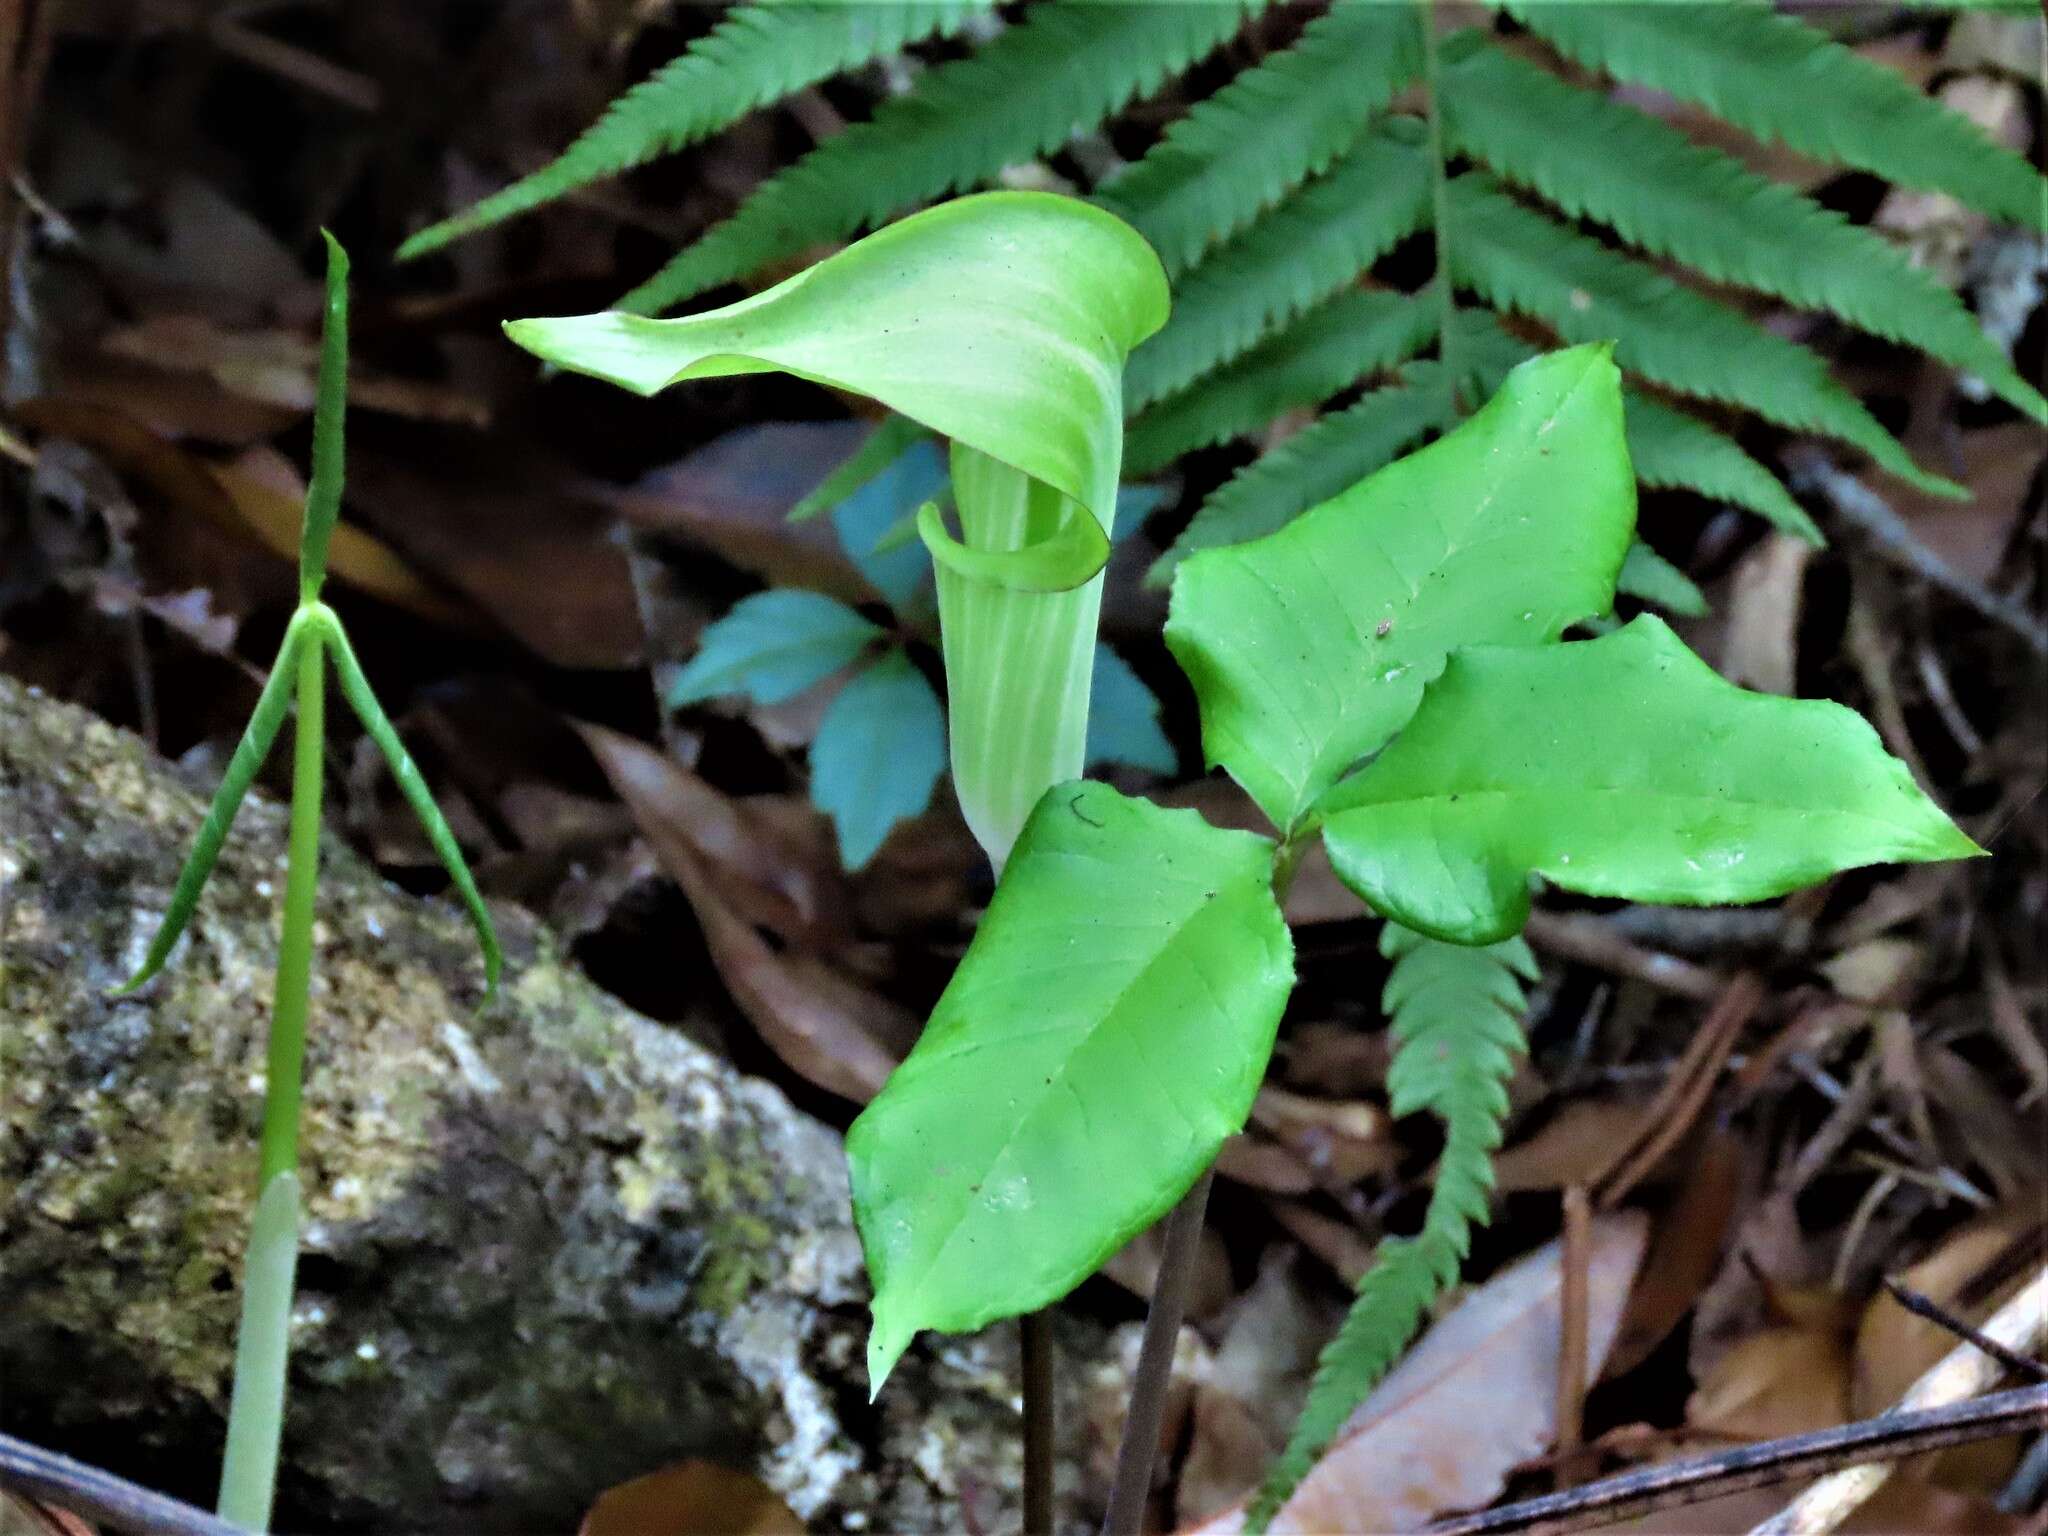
(603, 346)
(886, 1344)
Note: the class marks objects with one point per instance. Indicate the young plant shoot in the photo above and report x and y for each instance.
(1387, 673)
(256, 1410)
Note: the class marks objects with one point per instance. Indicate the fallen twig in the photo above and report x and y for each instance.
(112, 1501)
(1678, 1105)
(1893, 537)
(1962, 1373)
(1700, 1478)
(1590, 940)
(1962, 1328)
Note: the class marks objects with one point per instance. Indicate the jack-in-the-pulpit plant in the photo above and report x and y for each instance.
(248, 1476)
(1388, 673)
(1000, 322)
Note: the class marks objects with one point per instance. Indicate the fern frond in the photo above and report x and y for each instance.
(1331, 455)
(1236, 154)
(1455, 1015)
(1517, 258)
(1067, 65)
(1331, 347)
(1648, 575)
(1305, 250)
(1670, 449)
(1677, 451)
(759, 53)
(1777, 78)
(1597, 158)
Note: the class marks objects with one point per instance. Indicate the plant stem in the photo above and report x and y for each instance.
(1446, 294)
(1041, 1364)
(248, 1477)
(1140, 1442)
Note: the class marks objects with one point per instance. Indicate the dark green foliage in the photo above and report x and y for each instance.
(1268, 199)
(1456, 1017)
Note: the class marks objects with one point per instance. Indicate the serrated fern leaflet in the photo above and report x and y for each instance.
(1455, 1014)
(757, 54)
(1236, 154)
(1061, 70)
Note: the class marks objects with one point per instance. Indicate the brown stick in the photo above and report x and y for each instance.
(1699, 1478)
(1140, 1442)
(1682, 1098)
(1940, 1316)
(1572, 1331)
(1040, 1422)
(100, 1496)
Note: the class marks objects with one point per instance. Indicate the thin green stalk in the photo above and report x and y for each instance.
(248, 1476)
(1446, 294)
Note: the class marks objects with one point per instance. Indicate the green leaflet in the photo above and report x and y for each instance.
(1625, 767)
(771, 647)
(323, 491)
(1309, 648)
(1669, 448)
(757, 54)
(272, 706)
(880, 749)
(1332, 346)
(1306, 249)
(1595, 157)
(1519, 259)
(1456, 1017)
(355, 687)
(1777, 78)
(1322, 460)
(1234, 155)
(1105, 1031)
(1062, 68)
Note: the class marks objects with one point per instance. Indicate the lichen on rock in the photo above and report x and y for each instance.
(549, 1244)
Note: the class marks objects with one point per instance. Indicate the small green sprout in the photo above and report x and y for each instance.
(256, 1412)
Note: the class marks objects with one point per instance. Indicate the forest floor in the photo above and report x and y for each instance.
(1797, 1101)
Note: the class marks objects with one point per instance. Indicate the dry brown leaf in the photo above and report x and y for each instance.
(1784, 1380)
(1685, 1251)
(691, 1498)
(495, 520)
(1135, 1267)
(1875, 971)
(1570, 1147)
(822, 1023)
(1761, 644)
(1261, 1164)
(1903, 1505)
(1337, 1243)
(733, 497)
(1998, 464)
(1995, 1135)
(1341, 1141)
(1476, 1398)
(268, 496)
